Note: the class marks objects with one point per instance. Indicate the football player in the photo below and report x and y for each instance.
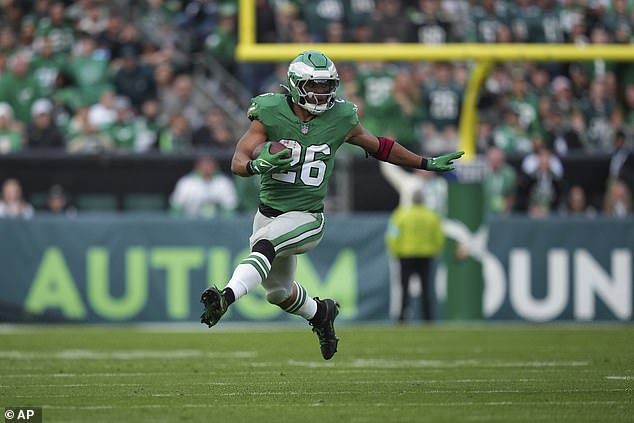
(312, 123)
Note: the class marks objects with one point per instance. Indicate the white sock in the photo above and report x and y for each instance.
(304, 304)
(249, 274)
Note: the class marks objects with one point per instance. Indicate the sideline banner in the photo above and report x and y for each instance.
(560, 268)
(139, 268)
(133, 268)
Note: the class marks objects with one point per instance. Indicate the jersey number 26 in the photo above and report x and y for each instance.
(313, 171)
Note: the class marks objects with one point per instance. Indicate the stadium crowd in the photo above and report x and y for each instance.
(85, 76)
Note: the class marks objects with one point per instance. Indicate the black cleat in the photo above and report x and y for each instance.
(326, 330)
(215, 306)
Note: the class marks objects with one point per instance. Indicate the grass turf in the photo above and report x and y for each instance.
(380, 374)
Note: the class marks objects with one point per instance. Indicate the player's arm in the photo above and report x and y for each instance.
(244, 164)
(256, 134)
(391, 151)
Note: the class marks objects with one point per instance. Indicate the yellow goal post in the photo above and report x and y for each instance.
(484, 57)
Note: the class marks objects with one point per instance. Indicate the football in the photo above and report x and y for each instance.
(275, 147)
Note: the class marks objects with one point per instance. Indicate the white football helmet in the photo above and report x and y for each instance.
(313, 81)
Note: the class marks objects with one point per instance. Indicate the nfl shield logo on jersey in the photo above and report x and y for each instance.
(304, 129)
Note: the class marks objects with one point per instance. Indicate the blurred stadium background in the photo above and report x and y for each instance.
(105, 106)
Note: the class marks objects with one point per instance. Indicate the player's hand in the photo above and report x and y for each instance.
(443, 163)
(267, 162)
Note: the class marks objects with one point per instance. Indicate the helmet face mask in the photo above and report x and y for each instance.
(313, 82)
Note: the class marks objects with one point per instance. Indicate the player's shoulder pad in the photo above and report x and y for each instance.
(264, 102)
(345, 107)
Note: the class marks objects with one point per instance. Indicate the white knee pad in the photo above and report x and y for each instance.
(279, 284)
(278, 295)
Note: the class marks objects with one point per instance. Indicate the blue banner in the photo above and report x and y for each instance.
(153, 268)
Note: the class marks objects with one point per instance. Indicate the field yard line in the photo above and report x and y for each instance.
(374, 404)
(358, 363)
(83, 385)
(371, 382)
(123, 374)
(620, 377)
(334, 392)
(123, 355)
(79, 407)
(47, 375)
(390, 363)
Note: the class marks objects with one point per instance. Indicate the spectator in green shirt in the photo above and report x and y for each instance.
(177, 137)
(10, 136)
(510, 136)
(221, 43)
(123, 130)
(46, 64)
(19, 88)
(57, 28)
(89, 67)
(499, 183)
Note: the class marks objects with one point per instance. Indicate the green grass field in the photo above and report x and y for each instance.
(380, 374)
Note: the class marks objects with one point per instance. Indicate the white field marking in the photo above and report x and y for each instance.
(123, 374)
(82, 385)
(100, 395)
(620, 377)
(85, 385)
(158, 327)
(525, 391)
(434, 381)
(123, 355)
(108, 385)
(549, 404)
(354, 393)
(303, 393)
(79, 407)
(438, 364)
(62, 375)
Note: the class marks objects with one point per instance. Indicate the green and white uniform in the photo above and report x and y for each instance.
(290, 219)
(303, 186)
(297, 194)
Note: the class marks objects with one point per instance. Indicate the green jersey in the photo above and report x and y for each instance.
(61, 35)
(375, 87)
(442, 104)
(20, 93)
(303, 186)
(91, 76)
(45, 70)
(123, 134)
(10, 141)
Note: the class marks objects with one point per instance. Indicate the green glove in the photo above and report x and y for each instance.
(267, 162)
(444, 162)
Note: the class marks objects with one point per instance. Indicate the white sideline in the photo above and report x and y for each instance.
(122, 355)
(374, 404)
